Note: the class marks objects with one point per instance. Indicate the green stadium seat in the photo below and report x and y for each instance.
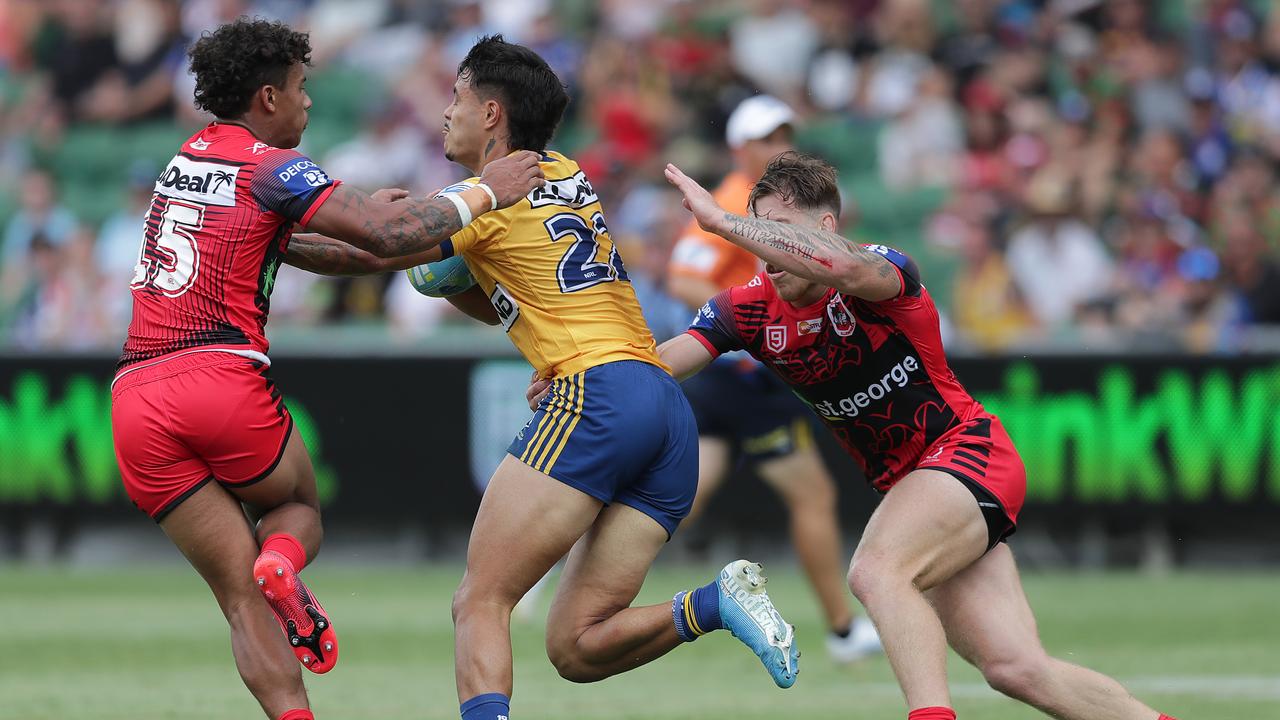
(341, 95)
(847, 143)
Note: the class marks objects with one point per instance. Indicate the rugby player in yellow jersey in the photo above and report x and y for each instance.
(607, 467)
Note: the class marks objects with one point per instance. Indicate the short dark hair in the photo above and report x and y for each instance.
(236, 60)
(800, 180)
(532, 95)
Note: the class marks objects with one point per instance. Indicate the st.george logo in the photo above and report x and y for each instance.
(775, 338)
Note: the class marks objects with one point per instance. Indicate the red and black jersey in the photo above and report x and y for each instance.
(874, 372)
(223, 212)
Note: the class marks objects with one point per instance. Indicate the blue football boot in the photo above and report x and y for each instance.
(747, 612)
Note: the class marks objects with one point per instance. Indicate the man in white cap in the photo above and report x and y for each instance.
(743, 411)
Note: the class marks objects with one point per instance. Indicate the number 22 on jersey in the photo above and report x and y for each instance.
(170, 258)
(578, 268)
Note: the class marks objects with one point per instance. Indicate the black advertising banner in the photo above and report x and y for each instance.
(411, 439)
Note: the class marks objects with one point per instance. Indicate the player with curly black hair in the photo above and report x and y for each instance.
(201, 433)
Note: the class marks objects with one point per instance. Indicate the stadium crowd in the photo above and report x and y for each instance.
(1093, 174)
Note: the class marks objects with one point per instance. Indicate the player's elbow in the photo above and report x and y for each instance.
(847, 275)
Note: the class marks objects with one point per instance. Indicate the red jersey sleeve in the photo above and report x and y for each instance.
(906, 267)
(291, 185)
(715, 327)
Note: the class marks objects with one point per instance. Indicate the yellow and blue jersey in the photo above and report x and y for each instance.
(553, 274)
(615, 424)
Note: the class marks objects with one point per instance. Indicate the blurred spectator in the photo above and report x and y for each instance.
(466, 24)
(385, 152)
(1210, 145)
(905, 32)
(39, 214)
(75, 48)
(150, 50)
(641, 229)
(1058, 262)
(771, 45)
(119, 244)
(1210, 316)
(1247, 89)
(1082, 151)
(1251, 270)
(988, 308)
(59, 307)
(923, 145)
(120, 238)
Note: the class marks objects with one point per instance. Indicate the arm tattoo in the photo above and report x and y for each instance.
(326, 256)
(419, 225)
(805, 245)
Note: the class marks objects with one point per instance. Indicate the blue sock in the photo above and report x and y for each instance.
(697, 612)
(489, 706)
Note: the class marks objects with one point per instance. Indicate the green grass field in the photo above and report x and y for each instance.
(130, 643)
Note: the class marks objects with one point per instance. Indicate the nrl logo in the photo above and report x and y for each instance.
(775, 338)
(199, 144)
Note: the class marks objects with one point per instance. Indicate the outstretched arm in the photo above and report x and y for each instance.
(325, 256)
(811, 253)
(684, 355)
(410, 226)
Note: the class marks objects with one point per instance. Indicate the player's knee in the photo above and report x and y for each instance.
(1017, 676)
(872, 577)
(470, 598)
(462, 600)
(568, 661)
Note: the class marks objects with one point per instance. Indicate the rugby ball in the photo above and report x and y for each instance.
(443, 278)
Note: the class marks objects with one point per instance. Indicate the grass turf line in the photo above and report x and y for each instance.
(150, 643)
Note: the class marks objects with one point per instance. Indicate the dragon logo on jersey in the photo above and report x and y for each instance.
(841, 319)
(775, 338)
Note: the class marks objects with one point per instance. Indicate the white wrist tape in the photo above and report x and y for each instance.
(463, 211)
(493, 198)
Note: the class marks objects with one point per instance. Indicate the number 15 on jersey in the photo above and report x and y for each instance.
(170, 258)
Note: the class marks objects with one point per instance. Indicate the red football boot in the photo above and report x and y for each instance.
(304, 621)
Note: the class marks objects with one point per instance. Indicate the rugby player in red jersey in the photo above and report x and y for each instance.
(201, 432)
(855, 334)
